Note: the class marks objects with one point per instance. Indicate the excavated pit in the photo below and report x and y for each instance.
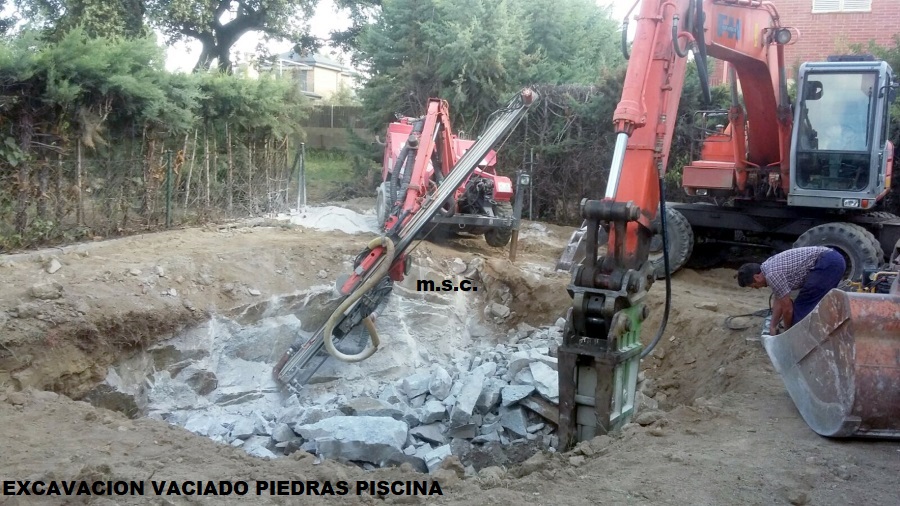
(215, 379)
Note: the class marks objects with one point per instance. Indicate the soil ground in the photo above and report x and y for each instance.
(730, 434)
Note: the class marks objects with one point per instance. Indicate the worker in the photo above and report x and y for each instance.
(814, 270)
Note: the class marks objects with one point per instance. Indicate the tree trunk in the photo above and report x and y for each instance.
(79, 196)
(43, 186)
(230, 182)
(26, 132)
(187, 183)
(146, 204)
(250, 177)
(60, 199)
(206, 137)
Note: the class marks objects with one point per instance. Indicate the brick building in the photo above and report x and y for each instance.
(829, 27)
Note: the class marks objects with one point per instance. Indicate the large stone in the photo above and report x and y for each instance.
(490, 437)
(546, 380)
(415, 385)
(201, 381)
(391, 395)
(248, 426)
(432, 433)
(512, 394)
(467, 431)
(440, 383)
(432, 411)
(367, 406)
(542, 407)
(490, 395)
(205, 425)
(514, 420)
(648, 417)
(467, 398)
(364, 438)
(312, 415)
(258, 446)
(521, 359)
(46, 291)
(53, 266)
(282, 433)
(499, 310)
(434, 458)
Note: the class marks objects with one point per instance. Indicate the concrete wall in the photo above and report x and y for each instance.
(331, 138)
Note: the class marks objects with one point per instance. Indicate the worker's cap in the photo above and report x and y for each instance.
(745, 274)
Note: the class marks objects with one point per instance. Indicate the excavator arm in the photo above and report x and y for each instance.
(601, 351)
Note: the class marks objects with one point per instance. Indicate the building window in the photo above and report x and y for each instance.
(841, 6)
(304, 80)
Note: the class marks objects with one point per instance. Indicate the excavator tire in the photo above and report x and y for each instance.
(681, 244)
(882, 216)
(858, 245)
(498, 237)
(381, 203)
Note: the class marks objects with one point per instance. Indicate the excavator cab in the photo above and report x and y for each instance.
(841, 155)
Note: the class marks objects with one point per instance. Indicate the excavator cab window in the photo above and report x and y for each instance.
(837, 130)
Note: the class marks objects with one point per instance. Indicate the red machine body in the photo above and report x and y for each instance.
(419, 153)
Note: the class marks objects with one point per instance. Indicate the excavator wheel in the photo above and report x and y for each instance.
(381, 203)
(681, 244)
(858, 245)
(498, 237)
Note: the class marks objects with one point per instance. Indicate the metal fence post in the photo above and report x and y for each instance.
(168, 188)
(531, 187)
(301, 179)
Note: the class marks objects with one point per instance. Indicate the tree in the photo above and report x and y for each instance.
(218, 24)
(5, 23)
(475, 53)
(97, 18)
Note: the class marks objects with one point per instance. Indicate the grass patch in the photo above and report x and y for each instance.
(337, 175)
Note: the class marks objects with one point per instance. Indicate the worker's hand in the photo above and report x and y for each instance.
(774, 331)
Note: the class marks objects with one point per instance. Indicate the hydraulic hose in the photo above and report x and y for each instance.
(702, 70)
(377, 275)
(665, 240)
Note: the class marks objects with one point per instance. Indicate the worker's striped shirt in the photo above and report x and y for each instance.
(787, 270)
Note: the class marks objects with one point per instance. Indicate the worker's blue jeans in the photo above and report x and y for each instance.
(824, 276)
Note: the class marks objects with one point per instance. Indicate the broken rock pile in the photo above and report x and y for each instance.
(496, 397)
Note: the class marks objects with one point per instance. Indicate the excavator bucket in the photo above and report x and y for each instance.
(841, 364)
(574, 252)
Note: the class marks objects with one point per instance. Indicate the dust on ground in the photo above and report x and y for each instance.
(727, 431)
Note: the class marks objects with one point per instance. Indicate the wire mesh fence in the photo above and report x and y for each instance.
(72, 198)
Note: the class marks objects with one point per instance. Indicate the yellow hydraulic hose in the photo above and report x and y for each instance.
(379, 273)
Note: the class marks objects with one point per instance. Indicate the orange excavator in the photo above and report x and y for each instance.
(812, 170)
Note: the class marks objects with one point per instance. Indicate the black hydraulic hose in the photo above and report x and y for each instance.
(702, 71)
(413, 144)
(665, 241)
(395, 173)
(625, 38)
(682, 53)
